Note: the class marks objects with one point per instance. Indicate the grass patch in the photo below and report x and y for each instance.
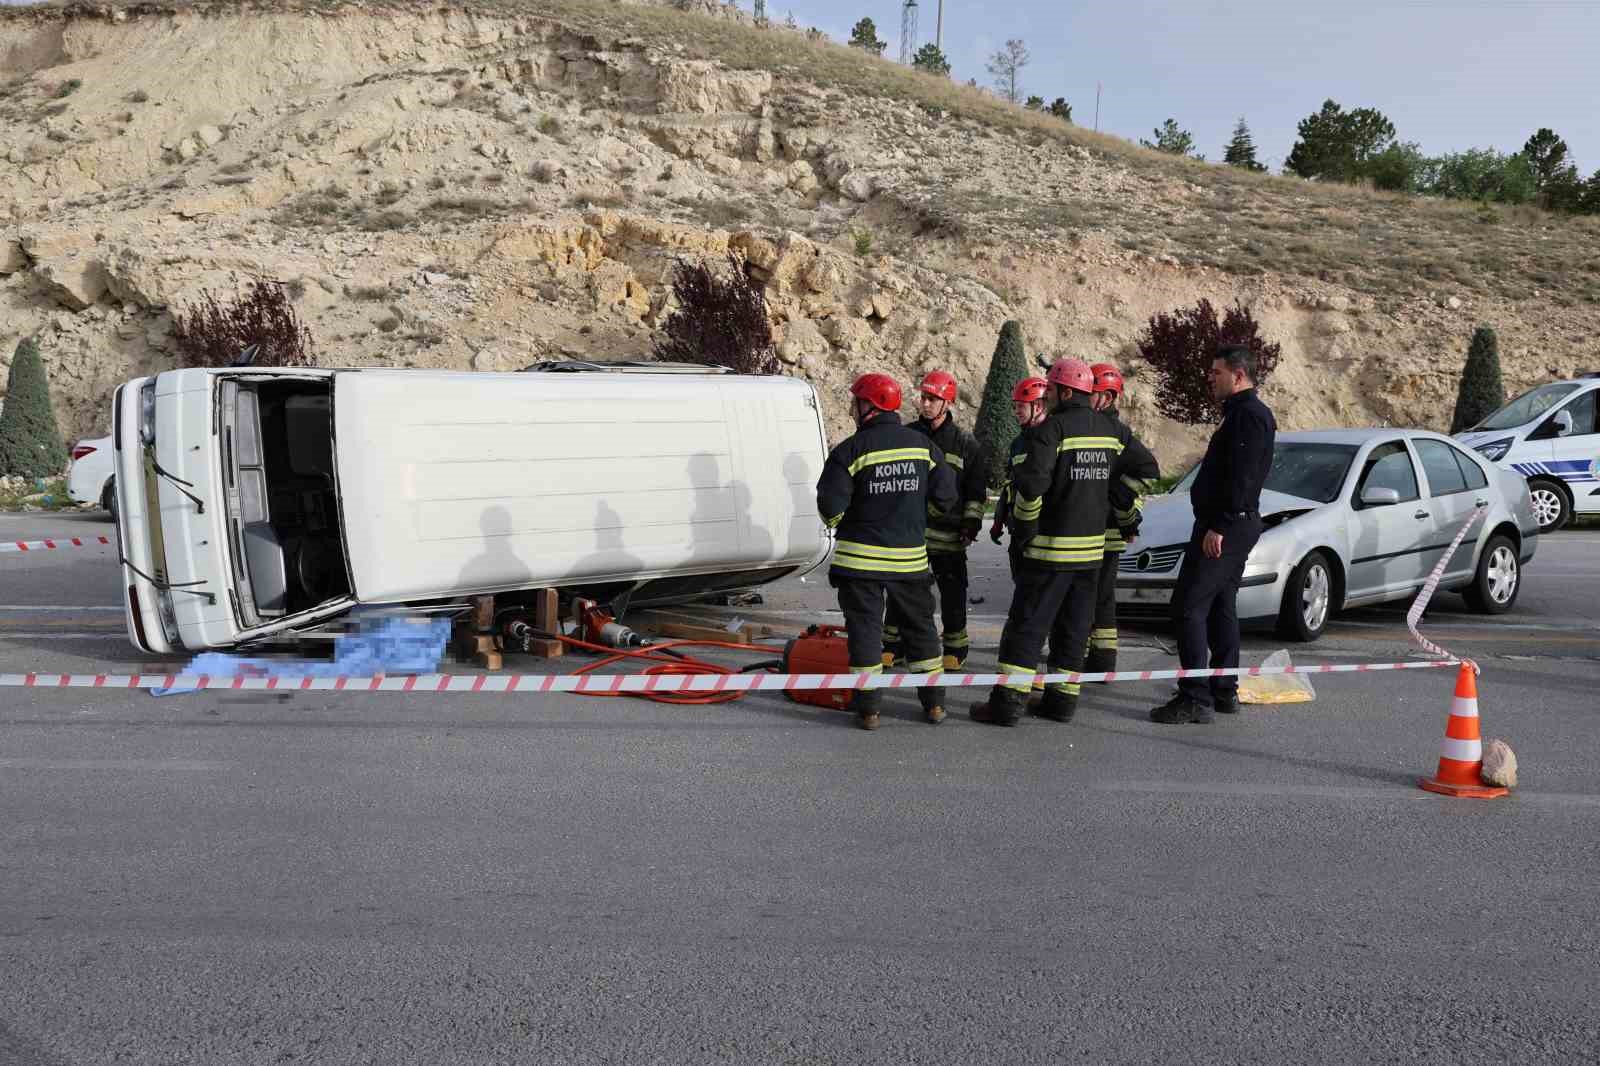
(47, 494)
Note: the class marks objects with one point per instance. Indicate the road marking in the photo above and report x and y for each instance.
(61, 634)
(30, 608)
(1398, 791)
(196, 765)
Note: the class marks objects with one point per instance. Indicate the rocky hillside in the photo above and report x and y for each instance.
(490, 184)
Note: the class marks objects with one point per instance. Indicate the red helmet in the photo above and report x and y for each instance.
(1072, 374)
(880, 390)
(1030, 390)
(940, 383)
(1107, 378)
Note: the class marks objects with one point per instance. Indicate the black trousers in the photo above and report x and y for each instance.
(950, 575)
(1205, 610)
(1053, 605)
(863, 601)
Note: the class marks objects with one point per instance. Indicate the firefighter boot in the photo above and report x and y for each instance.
(932, 704)
(866, 707)
(1003, 707)
(1058, 706)
(1101, 661)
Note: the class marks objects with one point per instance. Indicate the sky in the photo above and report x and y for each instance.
(1450, 74)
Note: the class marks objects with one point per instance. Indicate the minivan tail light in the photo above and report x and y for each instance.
(81, 450)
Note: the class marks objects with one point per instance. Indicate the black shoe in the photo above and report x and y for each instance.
(1056, 706)
(1181, 710)
(1225, 704)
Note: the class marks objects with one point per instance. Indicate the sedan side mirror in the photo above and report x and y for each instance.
(1376, 497)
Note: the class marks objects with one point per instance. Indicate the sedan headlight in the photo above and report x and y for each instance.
(1495, 450)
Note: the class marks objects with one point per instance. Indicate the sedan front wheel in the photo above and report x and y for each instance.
(1307, 599)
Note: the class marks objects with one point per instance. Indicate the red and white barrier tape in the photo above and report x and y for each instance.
(52, 545)
(507, 684)
(1420, 604)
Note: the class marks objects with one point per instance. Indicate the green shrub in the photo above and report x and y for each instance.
(30, 443)
(1481, 392)
(997, 424)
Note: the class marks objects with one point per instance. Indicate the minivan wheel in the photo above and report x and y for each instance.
(1307, 599)
(108, 499)
(1550, 505)
(1498, 579)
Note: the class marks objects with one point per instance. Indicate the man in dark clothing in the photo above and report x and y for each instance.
(1058, 527)
(876, 490)
(1226, 496)
(948, 533)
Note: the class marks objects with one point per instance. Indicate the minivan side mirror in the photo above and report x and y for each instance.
(1563, 423)
(1377, 497)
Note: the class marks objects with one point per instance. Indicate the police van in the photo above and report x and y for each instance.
(1551, 436)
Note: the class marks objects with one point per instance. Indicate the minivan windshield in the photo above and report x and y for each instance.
(1527, 407)
(1309, 471)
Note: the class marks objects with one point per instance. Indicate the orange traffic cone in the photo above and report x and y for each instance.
(1461, 761)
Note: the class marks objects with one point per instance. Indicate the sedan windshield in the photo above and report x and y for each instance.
(1527, 407)
(1310, 471)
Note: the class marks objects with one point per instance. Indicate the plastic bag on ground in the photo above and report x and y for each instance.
(1276, 688)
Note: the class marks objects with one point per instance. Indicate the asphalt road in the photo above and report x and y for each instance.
(248, 878)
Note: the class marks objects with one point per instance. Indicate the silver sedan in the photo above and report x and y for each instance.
(1351, 517)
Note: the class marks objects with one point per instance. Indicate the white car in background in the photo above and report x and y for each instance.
(1351, 517)
(1551, 436)
(92, 477)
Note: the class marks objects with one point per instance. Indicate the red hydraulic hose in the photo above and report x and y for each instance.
(666, 665)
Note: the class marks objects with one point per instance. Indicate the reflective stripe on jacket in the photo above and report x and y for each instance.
(876, 490)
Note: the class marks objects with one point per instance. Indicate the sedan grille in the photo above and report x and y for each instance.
(1151, 560)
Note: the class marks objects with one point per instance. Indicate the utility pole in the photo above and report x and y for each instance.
(938, 28)
(908, 32)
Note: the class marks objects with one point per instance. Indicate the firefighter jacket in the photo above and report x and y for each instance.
(965, 457)
(1128, 490)
(1061, 499)
(876, 490)
(1015, 455)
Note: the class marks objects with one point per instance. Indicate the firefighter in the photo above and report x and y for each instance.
(948, 533)
(1059, 503)
(1028, 401)
(876, 491)
(1127, 500)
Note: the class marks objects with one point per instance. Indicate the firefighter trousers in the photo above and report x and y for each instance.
(950, 574)
(1103, 634)
(863, 601)
(1057, 605)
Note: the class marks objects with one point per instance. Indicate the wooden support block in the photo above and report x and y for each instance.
(685, 631)
(541, 648)
(547, 611)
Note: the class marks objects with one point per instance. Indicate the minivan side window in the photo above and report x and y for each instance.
(1389, 467)
(1444, 476)
(1470, 470)
(1582, 411)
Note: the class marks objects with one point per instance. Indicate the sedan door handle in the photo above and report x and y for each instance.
(1419, 514)
(1481, 503)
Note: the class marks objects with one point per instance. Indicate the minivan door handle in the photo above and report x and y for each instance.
(1481, 503)
(1419, 514)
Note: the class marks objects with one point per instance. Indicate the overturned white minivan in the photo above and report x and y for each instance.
(259, 504)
